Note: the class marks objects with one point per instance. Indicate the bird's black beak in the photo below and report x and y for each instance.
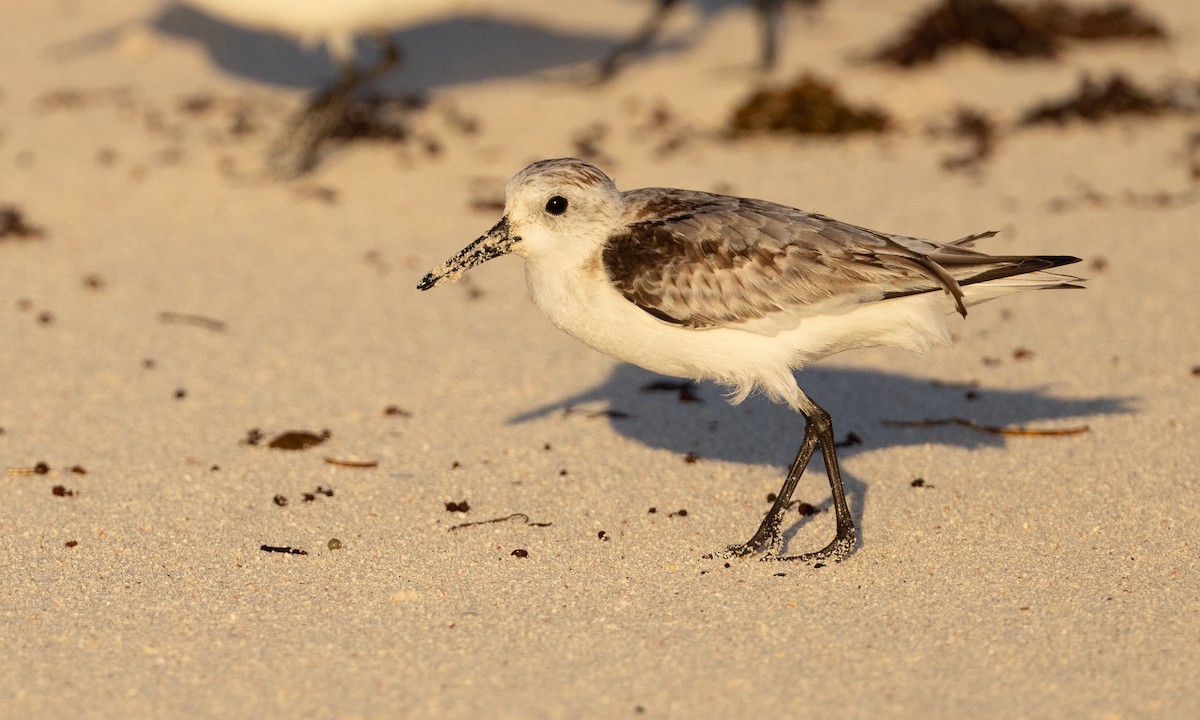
(492, 244)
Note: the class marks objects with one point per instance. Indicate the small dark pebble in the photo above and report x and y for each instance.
(652, 510)
(971, 395)
(149, 363)
(562, 473)
(919, 482)
(60, 491)
(678, 513)
(71, 543)
(253, 436)
(521, 553)
(806, 509)
(280, 500)
(772, 497)
(780, 574)
(461, 507)
(180, 394)
(45, 317)
(1196, 371)
(396, 411)
(78, 470)
(41, 468)
(691, 458)
(602, 535)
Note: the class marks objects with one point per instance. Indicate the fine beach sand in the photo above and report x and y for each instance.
(1040, 577)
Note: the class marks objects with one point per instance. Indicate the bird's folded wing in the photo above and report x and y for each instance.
(702, 260)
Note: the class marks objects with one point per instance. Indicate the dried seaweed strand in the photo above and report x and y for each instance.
(995, 429)
(523, 517)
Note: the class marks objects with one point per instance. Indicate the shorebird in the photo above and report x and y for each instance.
(738, 291)
(769, 14)
(334, 23)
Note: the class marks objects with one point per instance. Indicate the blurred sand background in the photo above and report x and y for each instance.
(1027, 577)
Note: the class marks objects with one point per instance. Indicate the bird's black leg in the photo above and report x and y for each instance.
(296, 151)
(818, 431)
(820, 424)
(637, 43)
(769, 11)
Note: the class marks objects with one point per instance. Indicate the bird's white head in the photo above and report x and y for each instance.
(561, 209)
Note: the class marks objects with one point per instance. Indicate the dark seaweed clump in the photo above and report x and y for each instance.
(1013, 31)
(1096, 100)
(809, 107)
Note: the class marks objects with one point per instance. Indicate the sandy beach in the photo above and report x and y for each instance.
(520, 520)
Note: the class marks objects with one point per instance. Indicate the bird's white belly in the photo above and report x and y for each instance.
(585, 305)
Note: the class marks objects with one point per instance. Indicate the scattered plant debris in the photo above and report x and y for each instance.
(352, 463)
(851, 440)
(61, 491)
(978, 129)
(523, 516)
(378, 118)
(1095, 101)
(685, 388)
(174, 318)
(587, 144)
(995, 429)
(38, 469)
(809, 106)
(592, 414)
(297, 440)
(1013, 31)
(14, 225)
(311, 496)
(286, 550)
(461, 506)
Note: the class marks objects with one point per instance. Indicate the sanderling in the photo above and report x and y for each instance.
(739, 291)
(769, 12)
(334, 22)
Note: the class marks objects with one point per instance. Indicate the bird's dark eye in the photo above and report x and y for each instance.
(556, 205)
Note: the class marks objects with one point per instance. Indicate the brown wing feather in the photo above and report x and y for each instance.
(702, 260)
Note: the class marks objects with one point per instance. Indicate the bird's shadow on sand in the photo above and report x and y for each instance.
(646, 407)
(440, 53)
